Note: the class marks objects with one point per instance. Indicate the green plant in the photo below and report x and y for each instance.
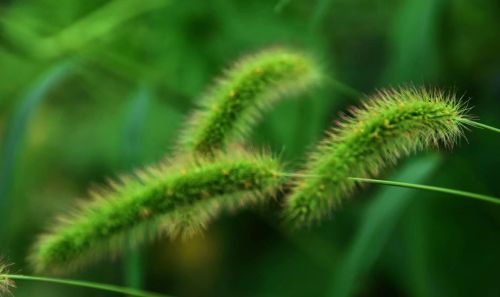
(133, 209)
(140, 67)
(390, 125)
(172, 199)
(5, 282)
(180, 197)
(226, 113)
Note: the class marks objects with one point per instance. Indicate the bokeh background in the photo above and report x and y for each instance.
(90, 89)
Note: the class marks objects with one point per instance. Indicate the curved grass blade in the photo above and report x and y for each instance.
(414, 39)
(99, 23)
(16, 130)
(378, 222)
(134, 128)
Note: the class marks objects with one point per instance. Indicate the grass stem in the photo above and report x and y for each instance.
(480, 125)
(85, 284)
(429, 188)
(411, 186)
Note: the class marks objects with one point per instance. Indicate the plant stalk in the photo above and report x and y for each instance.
(429, 188)
(84, 284)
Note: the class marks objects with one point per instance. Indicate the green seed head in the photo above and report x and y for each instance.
(227, 112)
(5, 282)
(390, 125)
(174, 199)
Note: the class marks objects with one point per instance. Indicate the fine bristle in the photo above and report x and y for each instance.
(5, 282)
(175, 199)
(233, 104)
(387, 126)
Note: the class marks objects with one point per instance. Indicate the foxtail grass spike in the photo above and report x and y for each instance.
(176, 199)
(226, 113)
(6, 283)
(388, 126)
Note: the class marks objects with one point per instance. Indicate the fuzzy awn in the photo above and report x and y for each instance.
(155, 202)
(227, 112)
(390, 125)
(5, 282)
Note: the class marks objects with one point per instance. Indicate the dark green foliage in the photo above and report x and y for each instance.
(9, 153)
(233, 104)
(388, 126)
(377, 223)
(138, 209)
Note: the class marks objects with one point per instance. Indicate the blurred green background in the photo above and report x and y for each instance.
(90, 89)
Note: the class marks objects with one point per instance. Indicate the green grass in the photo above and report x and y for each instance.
(84, 127)
(390, 125)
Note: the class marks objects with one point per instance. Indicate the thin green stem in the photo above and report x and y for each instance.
(134, 269)
(345, 89)
(480, 125)
(134, 134)
(409, 185)
(85, 284)
(15, 135)
(429, 188)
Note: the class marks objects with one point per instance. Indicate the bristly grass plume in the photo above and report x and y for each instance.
(389, 125)
(179, 198)
(226, 113)
(5, 282)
